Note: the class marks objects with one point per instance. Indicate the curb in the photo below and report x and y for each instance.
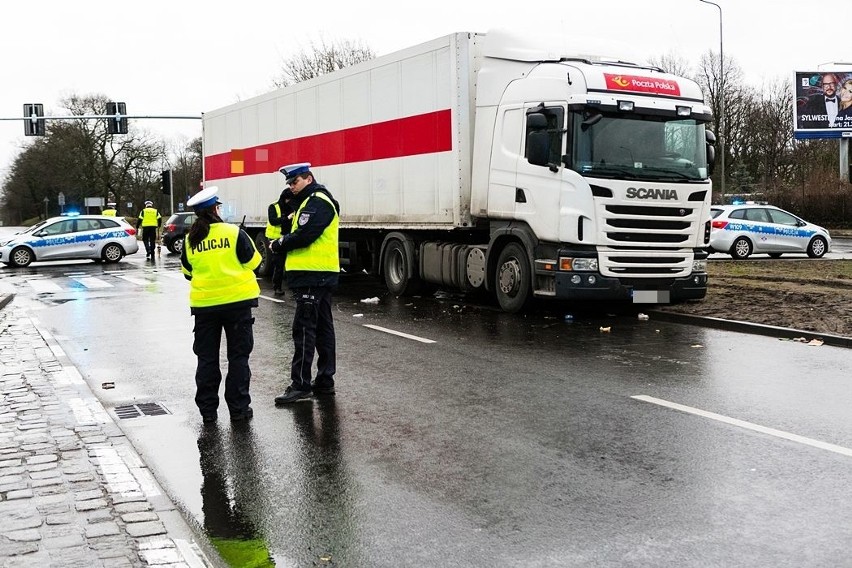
(112, 503)
(751, 328)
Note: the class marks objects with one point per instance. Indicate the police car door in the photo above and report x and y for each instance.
(55, 241)
(761, 229)
(789, 235)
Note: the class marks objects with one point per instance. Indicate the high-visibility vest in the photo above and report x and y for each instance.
(149, 217)
(218, 276)
(321, 255)
(274, 231)
(109, 212)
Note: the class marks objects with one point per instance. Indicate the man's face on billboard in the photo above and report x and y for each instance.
(829, 85)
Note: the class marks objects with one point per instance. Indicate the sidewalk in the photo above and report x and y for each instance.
(73, 492)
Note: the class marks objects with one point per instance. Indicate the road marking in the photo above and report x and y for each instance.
(747, 425)
(42, 286)
(91, 282)
(399, 333)
(271, 299)
(133, 280)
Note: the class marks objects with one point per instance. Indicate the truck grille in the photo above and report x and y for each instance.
(647, 241)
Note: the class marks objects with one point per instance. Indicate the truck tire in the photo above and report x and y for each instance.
(512, 279)
(396, 272)
(264, 268)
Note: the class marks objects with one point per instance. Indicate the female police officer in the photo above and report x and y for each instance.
(219, 259)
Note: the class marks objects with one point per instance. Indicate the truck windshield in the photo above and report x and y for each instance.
(632, 146)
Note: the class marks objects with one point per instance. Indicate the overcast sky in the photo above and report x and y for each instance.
(173, 57)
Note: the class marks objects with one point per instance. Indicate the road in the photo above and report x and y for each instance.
(478, 438)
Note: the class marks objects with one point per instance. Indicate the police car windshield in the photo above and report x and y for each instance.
(633, 146)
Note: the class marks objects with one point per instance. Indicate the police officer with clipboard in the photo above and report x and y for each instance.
(312, 269)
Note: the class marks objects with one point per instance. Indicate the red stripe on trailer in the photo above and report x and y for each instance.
(421, 134)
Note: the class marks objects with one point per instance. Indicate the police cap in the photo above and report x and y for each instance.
(204, 198)
(290, 172)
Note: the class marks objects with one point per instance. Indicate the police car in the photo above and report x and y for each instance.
(746, 229)
(97, 237)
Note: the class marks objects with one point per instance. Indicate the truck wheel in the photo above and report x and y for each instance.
(396, 265)
(265, 266)
(512, 282)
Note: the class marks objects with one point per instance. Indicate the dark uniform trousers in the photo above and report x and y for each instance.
(237, 324)
(149, 239)
(277, 263)
(313, 329)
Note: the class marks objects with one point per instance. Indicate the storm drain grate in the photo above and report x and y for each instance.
(141, 409)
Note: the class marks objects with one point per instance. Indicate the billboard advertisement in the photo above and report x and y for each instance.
(823, 107)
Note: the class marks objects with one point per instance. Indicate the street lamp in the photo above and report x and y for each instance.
(721, 95)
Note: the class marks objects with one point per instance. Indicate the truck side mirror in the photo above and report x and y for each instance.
(711, 151)
(538, 148)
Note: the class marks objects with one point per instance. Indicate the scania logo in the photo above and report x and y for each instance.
(651, 193)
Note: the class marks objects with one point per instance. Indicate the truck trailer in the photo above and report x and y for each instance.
(489, 162)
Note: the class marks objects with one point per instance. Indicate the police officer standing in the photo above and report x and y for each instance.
(219, 261)
(110, 210)
(312, 270)
(149, 221)
(279, 215)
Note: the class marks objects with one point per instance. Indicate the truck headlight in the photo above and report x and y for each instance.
(578, 264)
(699, 265)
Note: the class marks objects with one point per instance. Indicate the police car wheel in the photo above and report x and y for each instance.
(817, 247)
(21, 257)
(741, 249)
(112, 253)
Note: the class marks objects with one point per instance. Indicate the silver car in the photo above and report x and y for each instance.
(97, 237)
(743, 230)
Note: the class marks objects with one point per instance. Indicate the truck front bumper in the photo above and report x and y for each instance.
(593, 286)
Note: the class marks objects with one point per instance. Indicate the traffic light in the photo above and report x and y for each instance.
(33, 127)
(167, 182)
(117, 119)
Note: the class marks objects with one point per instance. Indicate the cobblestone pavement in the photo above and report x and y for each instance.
(73, 492)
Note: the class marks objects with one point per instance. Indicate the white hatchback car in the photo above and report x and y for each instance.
(97, 237)
(742, 230)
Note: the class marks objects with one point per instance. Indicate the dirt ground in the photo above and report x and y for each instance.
(809, 295)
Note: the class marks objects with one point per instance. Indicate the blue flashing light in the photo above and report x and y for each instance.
(71, 214)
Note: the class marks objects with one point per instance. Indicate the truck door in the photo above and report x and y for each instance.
(538, 190)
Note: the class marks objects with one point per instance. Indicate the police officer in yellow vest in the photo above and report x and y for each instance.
(279, 219)
(219, 261)
(312, 270)
(149, 221)
(110, 210)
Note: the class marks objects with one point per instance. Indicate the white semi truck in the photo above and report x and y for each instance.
(488, 162)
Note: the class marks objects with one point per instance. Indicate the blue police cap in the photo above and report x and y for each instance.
(204, 198)
(294, 170)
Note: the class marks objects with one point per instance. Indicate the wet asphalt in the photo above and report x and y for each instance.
(510, 440)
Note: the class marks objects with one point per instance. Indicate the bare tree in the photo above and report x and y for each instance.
(321, 59)
(81, 159)
(673, 63)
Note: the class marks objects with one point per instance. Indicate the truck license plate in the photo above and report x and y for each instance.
(651, 297)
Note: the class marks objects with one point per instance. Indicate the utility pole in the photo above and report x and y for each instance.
(721, 96)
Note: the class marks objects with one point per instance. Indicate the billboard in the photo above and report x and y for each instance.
(823, 107)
